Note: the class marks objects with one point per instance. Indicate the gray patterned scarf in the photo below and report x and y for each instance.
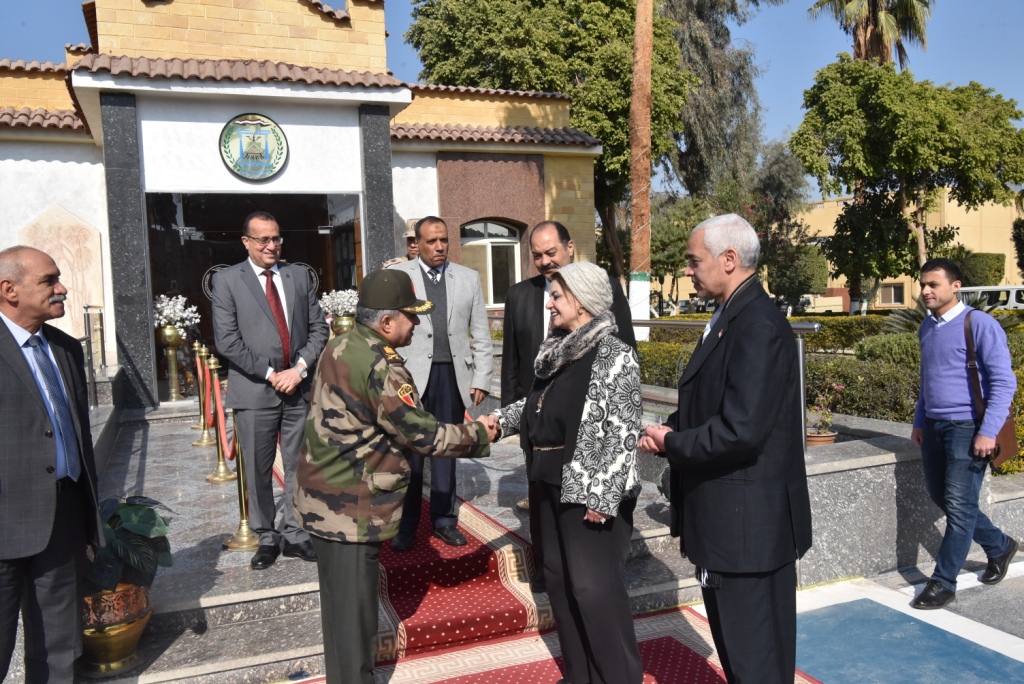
(562, 348)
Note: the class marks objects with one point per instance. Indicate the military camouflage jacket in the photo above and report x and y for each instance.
(365, 416)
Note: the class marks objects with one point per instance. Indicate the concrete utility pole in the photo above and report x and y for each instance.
(640, 167)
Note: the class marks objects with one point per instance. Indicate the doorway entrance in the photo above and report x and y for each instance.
(190, 234)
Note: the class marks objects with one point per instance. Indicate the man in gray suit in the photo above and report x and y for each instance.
(451, 370)
(48, 503)
(268, 325)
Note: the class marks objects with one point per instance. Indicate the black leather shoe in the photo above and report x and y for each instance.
(537, 584)
(265, 557)
(403, 543)
(997, 567)
(450, 536)
(933, 597)
(303, 550)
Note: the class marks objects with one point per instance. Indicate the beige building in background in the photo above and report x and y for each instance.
(986, 229)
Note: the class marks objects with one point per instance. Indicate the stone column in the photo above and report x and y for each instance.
(380, 239)
(129, 257)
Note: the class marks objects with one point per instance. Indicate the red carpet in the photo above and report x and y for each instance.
(437, 596)
(675, 645)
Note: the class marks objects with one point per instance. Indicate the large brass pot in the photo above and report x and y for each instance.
(342, 324)
(169, 335)
(114, 622)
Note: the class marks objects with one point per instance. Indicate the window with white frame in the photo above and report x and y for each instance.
(492, 249)
(892, 294)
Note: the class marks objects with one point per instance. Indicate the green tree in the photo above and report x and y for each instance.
(887, 134)
(721, 127)
(806, 273)
(583, 48)
(672, 221)
(1018, 243)
(879, 27)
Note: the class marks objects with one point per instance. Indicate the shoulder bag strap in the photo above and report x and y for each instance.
(972, 368)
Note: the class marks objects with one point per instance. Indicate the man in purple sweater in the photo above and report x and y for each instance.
(954, 446)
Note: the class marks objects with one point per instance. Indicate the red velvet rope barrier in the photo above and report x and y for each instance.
(229, 449)
(210, 408)
(204, 400)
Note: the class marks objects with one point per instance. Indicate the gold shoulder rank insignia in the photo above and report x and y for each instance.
(405, 394)
(392, 356)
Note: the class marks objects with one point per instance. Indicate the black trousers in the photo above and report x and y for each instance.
(443, 401)
(349, 591)
(44, 589)
(753, 622)
(257, 435)
(583, 565)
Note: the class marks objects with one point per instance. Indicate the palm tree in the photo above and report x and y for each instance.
(879, 27)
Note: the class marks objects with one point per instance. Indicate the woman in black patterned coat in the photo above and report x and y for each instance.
(579, 428)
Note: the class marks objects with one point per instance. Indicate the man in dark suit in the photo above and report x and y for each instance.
(268, 325)
(738, 485)
(48, 503)
(525, 327)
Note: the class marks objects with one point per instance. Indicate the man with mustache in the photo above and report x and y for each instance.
(48, 502)
(269, 326)
(526, 326)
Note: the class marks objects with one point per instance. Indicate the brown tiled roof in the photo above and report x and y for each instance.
(484, 91)
(89, 13)
(80, 48)
(325, 9)
(498, 134)
(22, 65)
(231, 70)
(61, 119)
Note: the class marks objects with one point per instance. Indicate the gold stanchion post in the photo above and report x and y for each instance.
(199, 384)
(222, 473)
(205, 397)
(244, 539)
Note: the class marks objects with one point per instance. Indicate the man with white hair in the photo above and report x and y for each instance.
(735, 447)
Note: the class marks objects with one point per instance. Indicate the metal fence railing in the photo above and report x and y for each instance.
(799, 329)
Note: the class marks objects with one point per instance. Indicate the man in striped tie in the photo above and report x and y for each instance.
(48, 503)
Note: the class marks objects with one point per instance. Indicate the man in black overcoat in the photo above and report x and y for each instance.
(738, 481)
(525, 326)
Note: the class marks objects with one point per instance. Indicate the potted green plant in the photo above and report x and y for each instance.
(819, 415)
(116, 609)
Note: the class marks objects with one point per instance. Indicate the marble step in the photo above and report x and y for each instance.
(266, 648)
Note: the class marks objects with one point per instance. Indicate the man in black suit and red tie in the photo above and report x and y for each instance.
(525, 327)
(48, 502)
(269, 326)
(736, 450)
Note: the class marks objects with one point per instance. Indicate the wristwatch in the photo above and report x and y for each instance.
(302, 371)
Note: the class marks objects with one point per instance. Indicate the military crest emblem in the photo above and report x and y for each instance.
(253, 147)
(405, 394)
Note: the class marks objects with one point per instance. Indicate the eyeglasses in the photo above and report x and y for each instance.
(263, 241)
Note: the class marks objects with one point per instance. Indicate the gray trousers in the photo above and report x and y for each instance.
(43, 588)
(349, 595)
(257, 435)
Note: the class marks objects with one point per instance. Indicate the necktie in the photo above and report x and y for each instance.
(434, 274)
(274, 300)
(59, 404)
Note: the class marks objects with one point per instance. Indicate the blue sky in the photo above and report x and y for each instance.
(968, 40)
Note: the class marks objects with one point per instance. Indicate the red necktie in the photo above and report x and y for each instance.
(275, 308)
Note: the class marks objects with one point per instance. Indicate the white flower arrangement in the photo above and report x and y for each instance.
(174, 311)
(340, 302)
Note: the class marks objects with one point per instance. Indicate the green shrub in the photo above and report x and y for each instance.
(874, 389)
(840, 332)
(661, 363)
(983, 268)
(806, 273)
(680, 335)
(901, 350)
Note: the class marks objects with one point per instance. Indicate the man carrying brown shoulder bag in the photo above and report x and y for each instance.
(956, 430)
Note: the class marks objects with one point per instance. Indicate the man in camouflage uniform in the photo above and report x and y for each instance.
(365, 417)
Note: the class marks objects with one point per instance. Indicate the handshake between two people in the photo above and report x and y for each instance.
(652, 439)
(490, 423)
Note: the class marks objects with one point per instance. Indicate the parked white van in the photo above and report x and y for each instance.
(1000, 296)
